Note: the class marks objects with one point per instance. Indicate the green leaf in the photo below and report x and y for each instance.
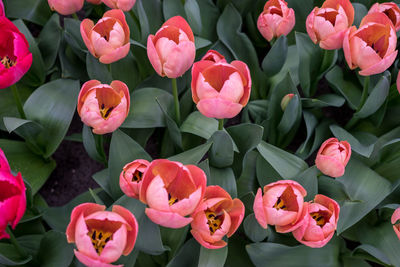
(54, 250)
(102, 179)
(209, 16)
(72, 35)
(26, 129)
(247, 136)
(57, 101)
(97, 70)
(255, 111)
(376, 253)
(188, 255)
(327, 100)
(359, 13)
(192, 156)
(145, 111)
(276, 57)
(253, 229)
(10, 257)
(302, 9)
(225, 178)
(174, 238)
(212, 257)
(150, 17)
(126, 70)
(200, 125)
(172, 127)
(193, 15)
(93, 144)
(247, 181)
(342, 134)
(291, 115)
(221, 153)
(36, 11)
(201, 42)
(50, 40)
(173, 8)
(309, 180)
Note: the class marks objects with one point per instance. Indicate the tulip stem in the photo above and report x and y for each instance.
(75, 16)
(176, 100)
(14, 241)
(220, 124)
(18, 102)
(364, 96)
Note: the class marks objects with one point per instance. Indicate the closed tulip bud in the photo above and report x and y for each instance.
(172, 191)
(395, 221)
(333, 157)
(276, 19)
(391, 10)
(109, 39)
(318, 223)
(124, 5)
(101, 236)
(372, 47)
(103, 107)
(281, 205)
(131, 177)
(66, 7)
(217, 216)
(285, 101)
(172, 51)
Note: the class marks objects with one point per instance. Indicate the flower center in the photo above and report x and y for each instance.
(7, 62)
(7, 190)
(99, 239)
(214, 221)
(280, 204)
(137, 177)
(391, 15)
(319, 218)
(105, 111)
(172, 200)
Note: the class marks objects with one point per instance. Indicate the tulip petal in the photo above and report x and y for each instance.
(197, 68)
(86, 260)
(258, 208)
(182, 24)
(218, 108)
(167, 219)
(115, 55)
(132, 222)
(381, 66)
(215, 245)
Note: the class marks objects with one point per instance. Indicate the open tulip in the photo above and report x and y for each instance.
(395, 221)
(319, 222)
(172, 191)
(328, 24)
(66, 7)
(276, 19)
(333, 156)
(213, 56)
(109, 39)
(391, 10)
(172, 51)
(372, 47)
(220, 89)
(281, 205)
(15, 58)
(103, 107)
(131, 177)
(218, 215)
(124, 5)
(101, 236)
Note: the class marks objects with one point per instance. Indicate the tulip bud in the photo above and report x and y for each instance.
(276, 19)
(391, 10)
(131, 177)
(66, 7)
(285, 101)
(333, 157)
(395, 221)
(124, 5)
(103, 107)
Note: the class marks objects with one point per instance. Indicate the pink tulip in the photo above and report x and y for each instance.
(372, 47)
(220, 89)
(276, 19)
(15, 58)
(281, 205)
(218, 215)
(109, 39)
(328, 24)
(94, 2)
(172, 191)
(2, 13)
(66, 7)
(318, 223)
(124, 5)
(391, 10)
(213, 56)
(4, 166)
(101, 237)
(103, 107)
(396, 224)
(332, 157)
(172, 51)
(130, 179)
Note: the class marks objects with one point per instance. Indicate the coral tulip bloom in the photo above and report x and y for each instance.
(213, 56)
(333, 156)
(15, 58)
(328, 24)
(66, 7)
(172, 191)
(219, 89)
(103, 107)
(276, 19)
(131, 176)
(394, 219)
(281, 205)
(218, 215)
(124, 5)
(109, 39)
(172, 51)
(372, 47)
(391, 10)
(101, 236)
(319, 222)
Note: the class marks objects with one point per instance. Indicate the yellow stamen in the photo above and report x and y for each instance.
(105, 111)
(172, 200)
(280, 204)
(137, 176)
(99, 239)
(7, 62)
(320, 219)
(214, 222)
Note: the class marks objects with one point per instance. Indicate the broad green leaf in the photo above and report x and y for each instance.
(328, 100)
(172, 127)
(193, 15)
(309, 180)
(225, 178)
(255, 111)
(221, 153)
(290, 116)
(36, 11)
(192, 156)
(276, 57)
(246, 136)
(174, 238)
(311, 122)
(247, 181)
(302, 9)
(359, 13)
(10, 257)
(26, 129)
(188, 255)
(209, 13)
(342, 134)
(126, 70)
(173, 8)
(150, 17)
(376, 253)
(49, 41)
(253, 229)
(93, 144)
(102, 179)
(212, 257)
(72, 35)
(55, 250)
(97, 70)
(201, 42)
(200, 125)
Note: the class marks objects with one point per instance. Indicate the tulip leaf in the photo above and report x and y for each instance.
(192, 156)
(126, 70)
(209, 13)
(247, 181)
(276, 57)
(200, 125)
(290, 116)
(359, 13)
(201, 42)
(302, 9)
(247, 136)
(309, 180)
(49, 40)
(225, 178)
(327, 100)
(10, 257)
(54, 250)
(221, 153)
(311, 123)
(213, 257)
(253, 229)
(36, 11)
(150, 17)
(173, 8)
(102, 179)
(192, 11)
(376, 253)
(73, 37)
(174, 238)
(97, 70)
(172, 127)
(188, 255)
(93, 144)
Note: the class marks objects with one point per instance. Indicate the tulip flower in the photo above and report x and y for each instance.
(103, 107)
(276, 19)
(109, 39)
(15, 57)
(2, 13)
(213, 56)
(101, 236)
(218, 215)
(172, 191)
(220, 89)
(328, 24)
(285, 101)
(172, 51)
(66, 7)
(391, 10)
(372, 47)
(398, 82)
(332, 157)
(131, 176)
(124, 5)
(94, 2)
(281, 205)
(396, 225)
(4, 166)
(318, 223)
